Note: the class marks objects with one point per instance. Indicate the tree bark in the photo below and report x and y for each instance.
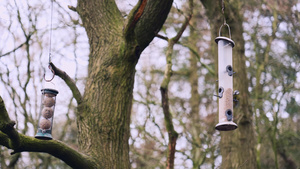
(115, 47)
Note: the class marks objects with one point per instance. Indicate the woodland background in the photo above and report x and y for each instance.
(271, 34)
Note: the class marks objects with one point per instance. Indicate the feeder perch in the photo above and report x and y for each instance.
(225, 73)
(46, 114)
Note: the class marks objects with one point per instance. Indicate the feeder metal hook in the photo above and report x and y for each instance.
(223, 12)
(228, 30)
(53, 72)
(50, 47)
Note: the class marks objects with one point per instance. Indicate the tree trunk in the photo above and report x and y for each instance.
(104, 115)
(195, 130)
(237, 146)
(243, 139)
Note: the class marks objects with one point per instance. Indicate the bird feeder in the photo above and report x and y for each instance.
(225, 90)
(46, 113)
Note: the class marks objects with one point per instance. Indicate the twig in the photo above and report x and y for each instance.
(72, 8)
(21, 45)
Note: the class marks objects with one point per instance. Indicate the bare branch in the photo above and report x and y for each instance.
(72, 8)
(69, 81)
(21, 45)
(162, 37)
(210, 70)
(173, 135)
(14, 160)
(183, 27)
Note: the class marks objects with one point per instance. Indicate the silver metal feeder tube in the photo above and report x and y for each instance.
(225, 73)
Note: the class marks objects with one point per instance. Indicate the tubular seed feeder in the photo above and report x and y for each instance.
(47, 110)
(225, 90)
(48, 99)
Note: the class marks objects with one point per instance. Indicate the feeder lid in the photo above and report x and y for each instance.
(51, 91)
(226, 39)
(226, 126)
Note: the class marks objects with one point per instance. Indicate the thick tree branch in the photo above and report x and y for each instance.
(8, 129)
(103, 18)
(134, 17)
(11, 139)
(69, 81)
(4, 140)
(57, 149)
(3, 113)
(7, 126)
(147, 19)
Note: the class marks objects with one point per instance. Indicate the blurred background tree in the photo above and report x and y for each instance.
(267, 37)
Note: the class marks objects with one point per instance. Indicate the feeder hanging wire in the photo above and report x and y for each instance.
(50, 46)
(50, 36)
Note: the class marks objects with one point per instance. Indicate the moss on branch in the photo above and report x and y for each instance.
(17, 142)
(57, 149)
(4, 140)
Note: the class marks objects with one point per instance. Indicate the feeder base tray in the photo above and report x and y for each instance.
(43, 135)
(226, 126)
